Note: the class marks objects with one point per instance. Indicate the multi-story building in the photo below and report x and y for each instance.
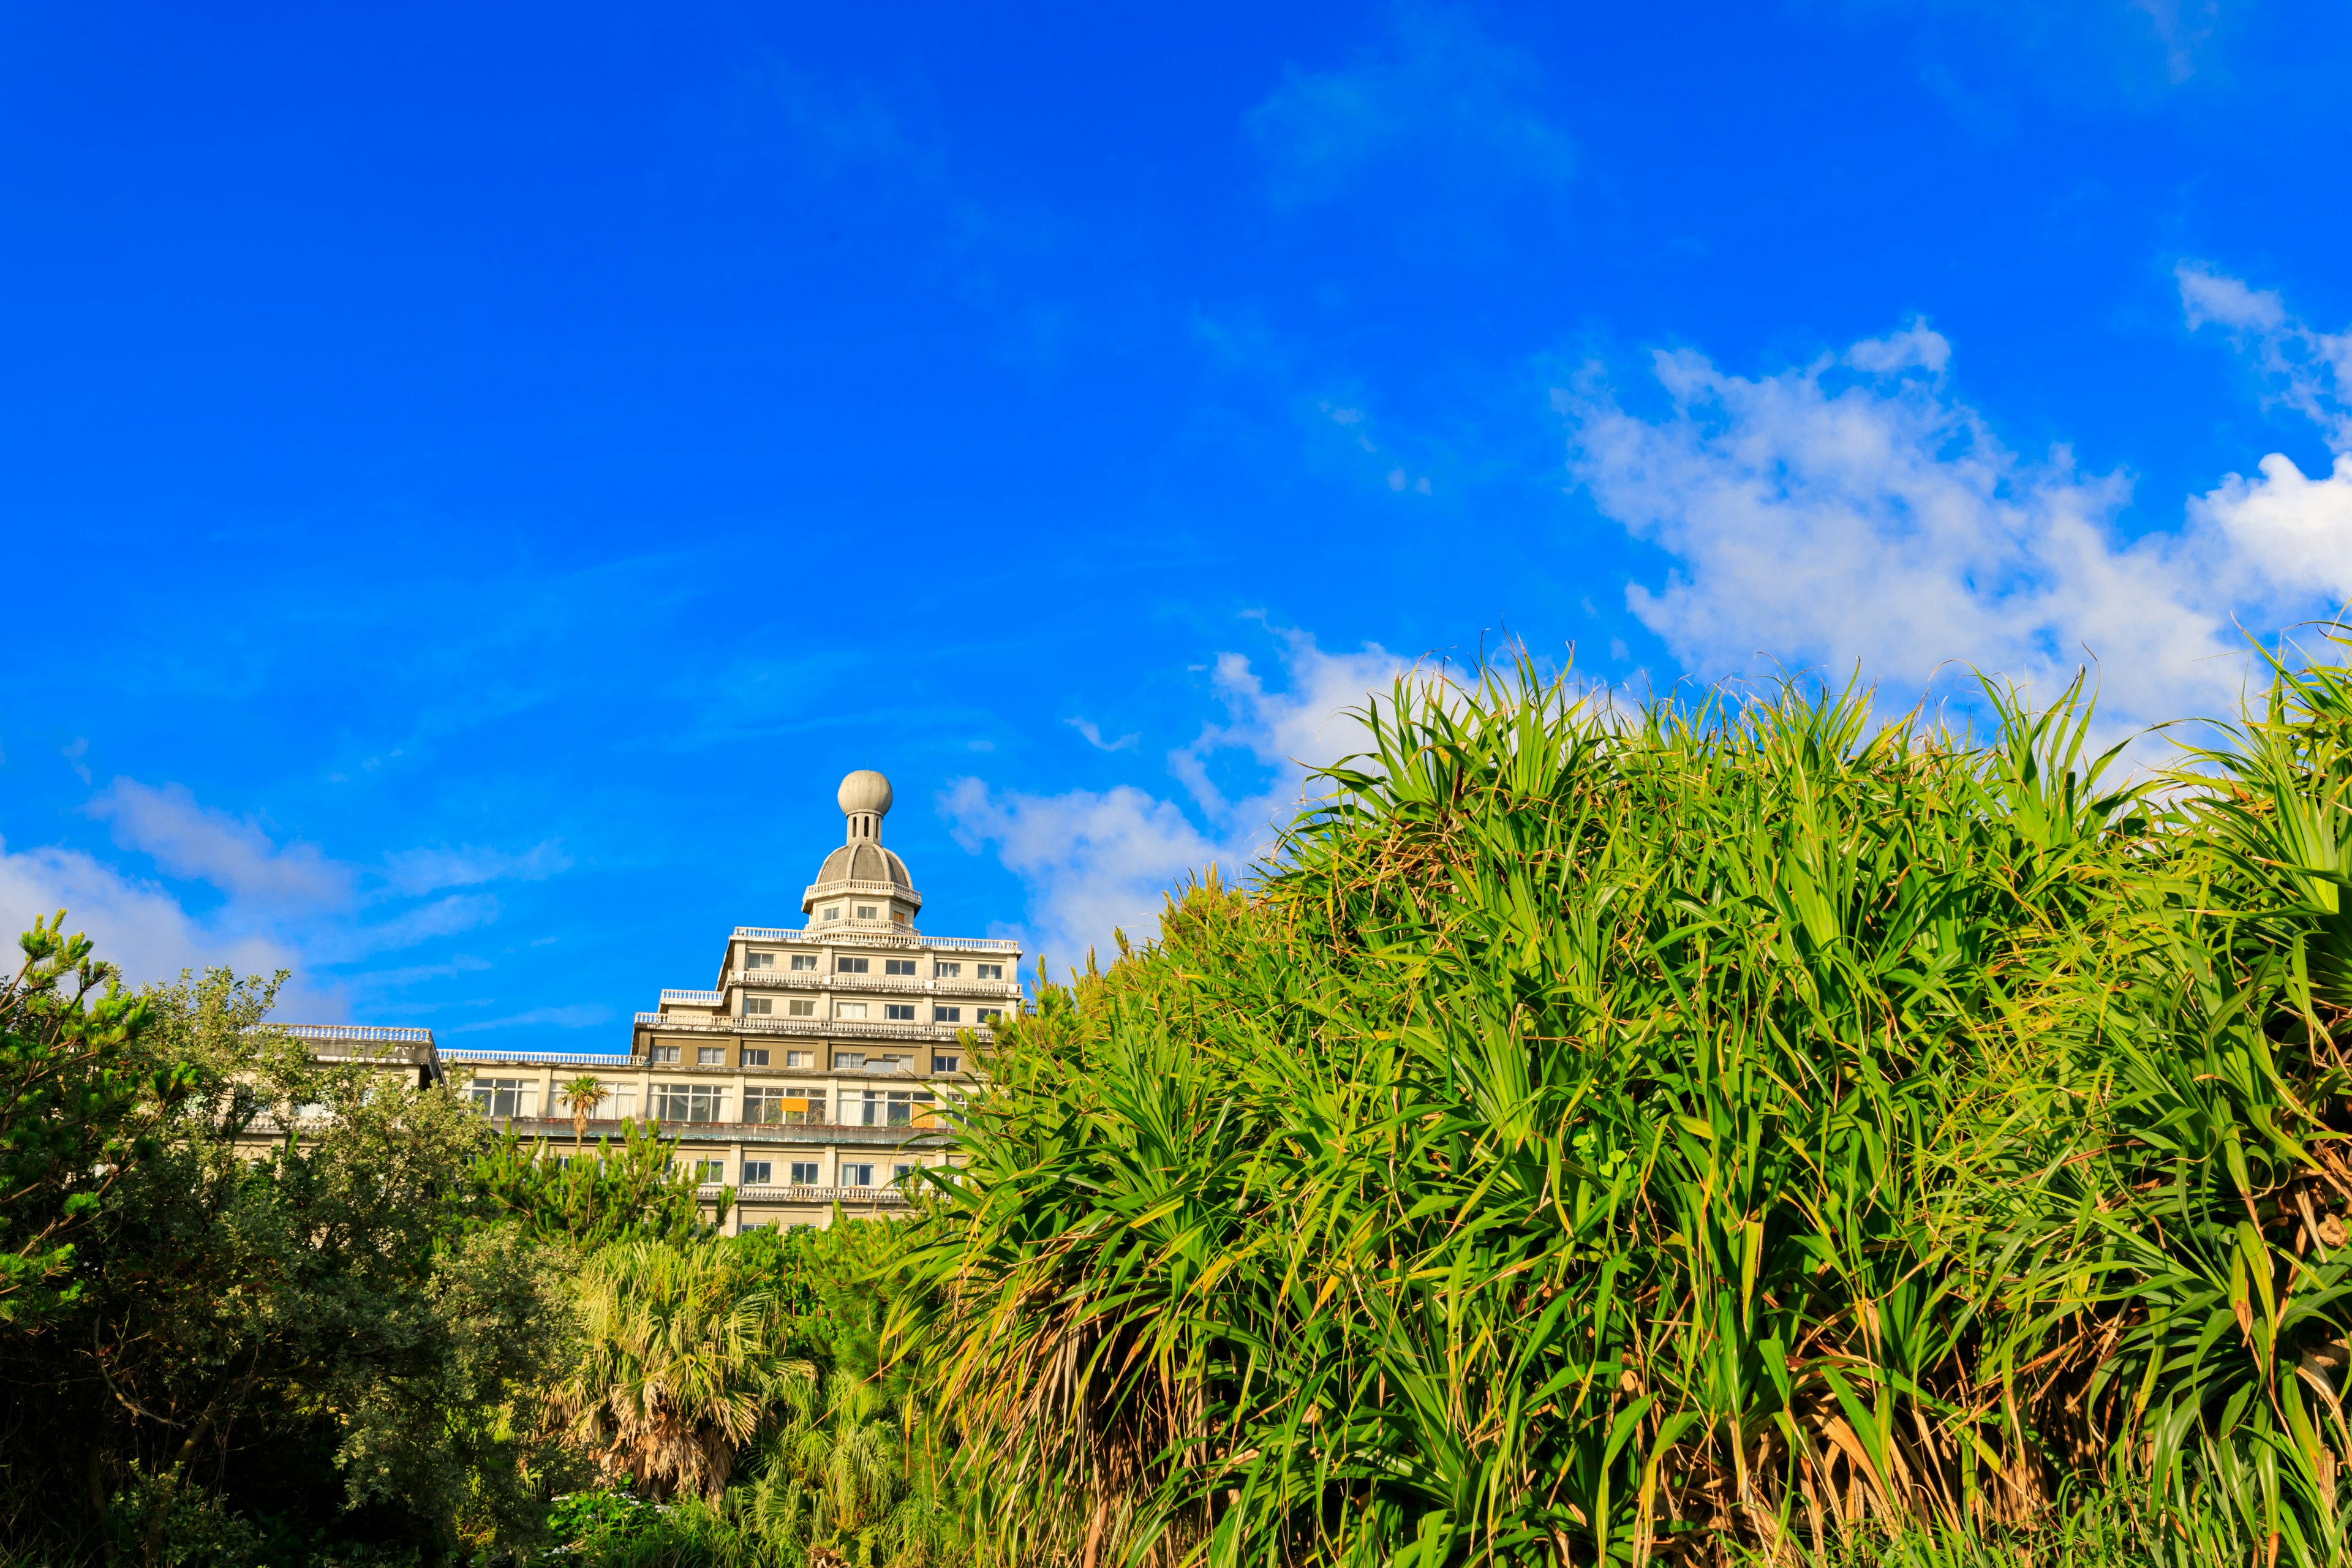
(812, 1074)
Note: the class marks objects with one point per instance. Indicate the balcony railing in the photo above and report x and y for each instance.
(887, 939)
(888, 1197)
(815, 890)
(355, 1034)
(696, 998)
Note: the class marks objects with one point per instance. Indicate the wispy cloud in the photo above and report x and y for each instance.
(1093, 733)
(1098, 859)
(234, 854)
(428, 870)
(2308, 370)
(282, 903)
(1436, 91)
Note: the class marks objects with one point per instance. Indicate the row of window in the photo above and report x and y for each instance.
(862, 913)
(798, 1173)
(699, 1103)
(892, 1012)
(758, 1057)
(942, 968)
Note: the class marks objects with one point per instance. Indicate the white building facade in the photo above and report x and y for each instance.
(813, 1073)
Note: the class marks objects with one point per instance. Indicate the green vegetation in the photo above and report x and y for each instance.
(1732, 1132)
(1740, 1128)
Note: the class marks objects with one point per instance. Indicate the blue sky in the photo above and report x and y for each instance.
(476, 478)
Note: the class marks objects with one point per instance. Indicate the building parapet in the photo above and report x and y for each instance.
(815, 1028)
(613, 1059)
(879, 938)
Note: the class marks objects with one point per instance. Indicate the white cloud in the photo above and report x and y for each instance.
(1853, 511)
(2295, 531)
(1096, 860)
(189, 840)
(141, 928)
(2292, 531)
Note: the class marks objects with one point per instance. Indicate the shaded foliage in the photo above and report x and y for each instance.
(286, 1344)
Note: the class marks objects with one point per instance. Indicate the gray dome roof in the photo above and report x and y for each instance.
(863, 861)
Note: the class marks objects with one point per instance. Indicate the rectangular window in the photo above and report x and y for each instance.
(500, 1096)
(849, 1009)
(898, 966)
(804, 1172)
(868, 912)
(833, 911)
(848, 1059)
(901, 1012)
(849, 966)
(988, 971)
(900, 1174)
(946, 1014)
(759, 961)
(688, 1102)
(899, 917)
(804, 961)
(857, 1175)
(758, 1173)
(987, 1015)
(711, 1170)
(665, 1053)
(623, 1104)
(947, 1064)
(755, 1005)
(800, 1009)
(946, 971)
(710, 1055)
(887, 1108)
(799, 1058)
(776, 1105)
(755, 1056)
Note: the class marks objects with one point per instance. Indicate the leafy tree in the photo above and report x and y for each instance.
(295, 1341)
(79, 1103)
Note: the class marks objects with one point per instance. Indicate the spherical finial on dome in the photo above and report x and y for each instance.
(864, 791)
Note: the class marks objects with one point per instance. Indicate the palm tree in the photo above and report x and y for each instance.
(684, 1363)
(583, 1095)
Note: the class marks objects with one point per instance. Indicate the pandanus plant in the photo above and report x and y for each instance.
(1601, 1133)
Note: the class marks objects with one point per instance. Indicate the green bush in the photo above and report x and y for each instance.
(1694, 1129)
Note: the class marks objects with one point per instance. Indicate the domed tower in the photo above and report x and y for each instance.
(862, 886)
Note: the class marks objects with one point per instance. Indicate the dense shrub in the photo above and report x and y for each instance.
(1601, 1133)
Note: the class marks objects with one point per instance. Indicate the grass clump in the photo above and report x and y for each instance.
(1700, 1131)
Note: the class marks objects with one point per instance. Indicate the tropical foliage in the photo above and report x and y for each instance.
(1603, 1134)
(629, 1187)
